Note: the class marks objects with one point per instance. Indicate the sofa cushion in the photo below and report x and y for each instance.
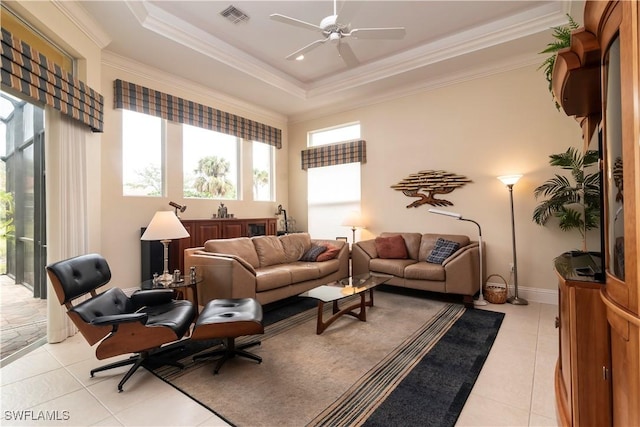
(331, 252)
(295, 245)
(429, 241)
(241, 247)
(411, 240)
(312, 254)
(392, 247)
(395, 267)
(425, 271)
(328, 267)
(272, 277)
(302, 271)
(269, 250)
(442, 250)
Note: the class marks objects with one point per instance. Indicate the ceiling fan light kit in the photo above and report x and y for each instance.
(333, 31)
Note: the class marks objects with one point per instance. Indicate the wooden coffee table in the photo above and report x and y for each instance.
(336, 291)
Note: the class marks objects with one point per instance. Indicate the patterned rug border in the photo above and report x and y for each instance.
(364, 397)
(361, 400)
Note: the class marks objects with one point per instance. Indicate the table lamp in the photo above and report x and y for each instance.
(480, 300)
(165, 226)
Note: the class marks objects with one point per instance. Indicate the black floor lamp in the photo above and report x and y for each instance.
(480, 300)
(509, 181)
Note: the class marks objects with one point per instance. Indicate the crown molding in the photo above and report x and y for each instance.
(466, 42)
(478, 38)
(511, 64)
(85, 23)
(144, 71)
(169, 26)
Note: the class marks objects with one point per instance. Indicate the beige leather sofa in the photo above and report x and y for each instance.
(267, 268)
(458, 273)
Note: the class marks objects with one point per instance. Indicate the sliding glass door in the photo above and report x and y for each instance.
(24, 192)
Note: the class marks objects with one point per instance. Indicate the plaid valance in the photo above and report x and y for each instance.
(148, 101)
(335, 154)
(32, 74)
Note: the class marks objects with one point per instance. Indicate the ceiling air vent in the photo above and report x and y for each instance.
(234, 15)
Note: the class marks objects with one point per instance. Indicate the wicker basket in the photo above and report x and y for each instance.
(495, 294)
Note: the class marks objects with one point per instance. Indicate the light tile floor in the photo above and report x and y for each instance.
(515, 387)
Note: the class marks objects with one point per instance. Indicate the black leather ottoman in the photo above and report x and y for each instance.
(229, 319)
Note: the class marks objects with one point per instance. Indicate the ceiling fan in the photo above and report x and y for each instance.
(334, 32)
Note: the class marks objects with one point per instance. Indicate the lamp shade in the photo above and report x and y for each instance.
(446, 213)
(354, 219)
(509, 179)
(164, 225)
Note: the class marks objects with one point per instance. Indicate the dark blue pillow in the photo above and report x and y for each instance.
(312, 254)
(442, 250)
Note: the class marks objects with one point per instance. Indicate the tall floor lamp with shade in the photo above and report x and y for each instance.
(165, 226)
(353, 220)
(480, 300)
(509, 181)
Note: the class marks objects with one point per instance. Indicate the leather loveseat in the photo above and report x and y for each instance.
(405, 256)
(268, 268)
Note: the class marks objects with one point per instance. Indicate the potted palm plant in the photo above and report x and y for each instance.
(576, 205)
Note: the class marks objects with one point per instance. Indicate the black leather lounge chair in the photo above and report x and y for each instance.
(139, 324)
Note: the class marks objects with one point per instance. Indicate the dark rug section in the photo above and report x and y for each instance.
(443, 379)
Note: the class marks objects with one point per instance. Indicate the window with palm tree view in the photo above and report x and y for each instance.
(263, 171)
(210, 164)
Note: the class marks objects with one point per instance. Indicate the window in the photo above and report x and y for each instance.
(333, 191)
(210, 164)
(142, 173)
(332, 135)
(263, 171)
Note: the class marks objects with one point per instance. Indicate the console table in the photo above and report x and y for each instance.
(201, 230)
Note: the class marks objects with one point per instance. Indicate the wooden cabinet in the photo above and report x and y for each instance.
(611, 30)
(582, 383)
(201, 230)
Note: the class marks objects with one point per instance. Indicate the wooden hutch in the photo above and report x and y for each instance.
(597, 80)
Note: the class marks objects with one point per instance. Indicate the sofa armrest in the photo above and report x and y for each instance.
(462, 270)
(221, 275)
(361, 253)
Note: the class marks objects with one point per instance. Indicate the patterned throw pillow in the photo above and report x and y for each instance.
(442, 250)
(312, 254)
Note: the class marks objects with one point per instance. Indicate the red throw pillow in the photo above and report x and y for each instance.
(392, 247)
(330, 253)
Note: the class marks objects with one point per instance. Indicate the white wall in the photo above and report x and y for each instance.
(497, 125)
(483, 128)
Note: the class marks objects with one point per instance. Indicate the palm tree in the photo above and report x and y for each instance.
(576, 206)
(260, 179)
(212, 177)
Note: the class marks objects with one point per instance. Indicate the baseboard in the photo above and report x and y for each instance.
(543, 296)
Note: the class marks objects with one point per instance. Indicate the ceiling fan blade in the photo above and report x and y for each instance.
(347, 55)
(296, 22)
(394, 33)
(306, 49)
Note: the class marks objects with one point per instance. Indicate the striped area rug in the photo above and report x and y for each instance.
(344, 377)
(359, 402)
